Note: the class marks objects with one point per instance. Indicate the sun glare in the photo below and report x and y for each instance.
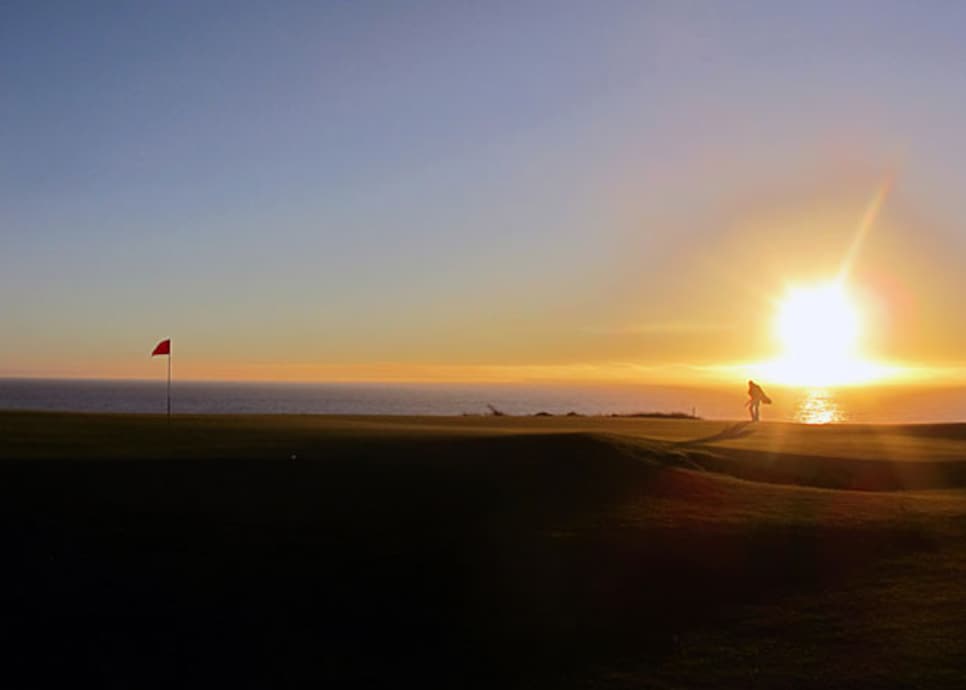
(819, 328)
(818, 324)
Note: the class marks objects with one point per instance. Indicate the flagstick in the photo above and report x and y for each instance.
(169, 384)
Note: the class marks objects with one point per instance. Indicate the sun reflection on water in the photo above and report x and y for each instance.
(819, 407)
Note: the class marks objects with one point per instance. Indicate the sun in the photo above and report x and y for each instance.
(818, 324)
(819, 328)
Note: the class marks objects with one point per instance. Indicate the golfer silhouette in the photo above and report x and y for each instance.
(756, 396)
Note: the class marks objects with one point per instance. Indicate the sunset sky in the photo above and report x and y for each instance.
(458, 191)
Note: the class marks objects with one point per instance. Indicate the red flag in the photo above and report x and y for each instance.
(163, 348)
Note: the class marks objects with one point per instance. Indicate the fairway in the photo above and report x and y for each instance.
(49, 434)
(480, 551)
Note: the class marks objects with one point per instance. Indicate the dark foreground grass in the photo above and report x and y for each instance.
(471, 553)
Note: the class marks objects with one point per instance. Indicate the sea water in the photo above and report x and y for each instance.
(809, 405)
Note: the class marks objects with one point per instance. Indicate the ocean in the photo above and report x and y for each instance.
(876, 404)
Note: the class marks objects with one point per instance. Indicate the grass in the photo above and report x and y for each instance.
(480, 551)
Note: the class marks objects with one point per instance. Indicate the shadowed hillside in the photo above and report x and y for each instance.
(566, 553)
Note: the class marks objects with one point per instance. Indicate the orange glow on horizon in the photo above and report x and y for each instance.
(603, 373)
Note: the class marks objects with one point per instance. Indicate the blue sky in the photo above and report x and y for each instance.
(453, 184)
